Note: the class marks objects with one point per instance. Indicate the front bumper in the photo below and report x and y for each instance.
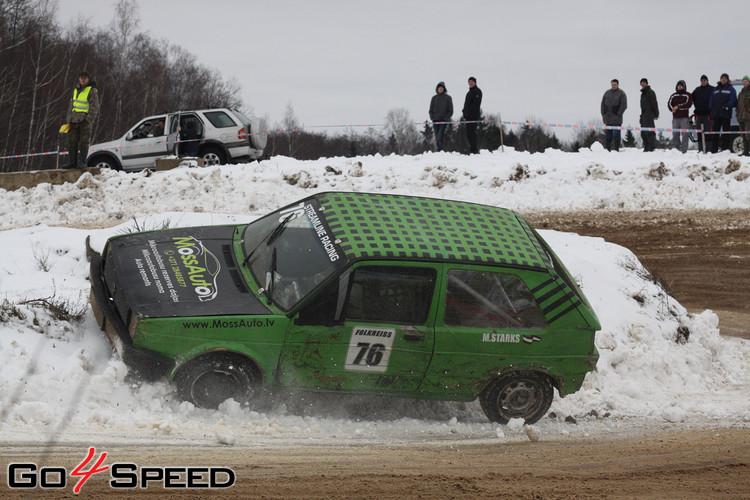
(146, 364)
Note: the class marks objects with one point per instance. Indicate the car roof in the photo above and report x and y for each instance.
(388, 226)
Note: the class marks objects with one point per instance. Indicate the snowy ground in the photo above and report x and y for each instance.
(59, 380)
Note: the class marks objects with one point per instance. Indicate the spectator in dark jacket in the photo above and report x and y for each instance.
(649, 115)
(472, 112)
(189, 136)
(723, 99)
(701, 99)
(743, 113)
(679, 104)
(614, 104)
(441, 110)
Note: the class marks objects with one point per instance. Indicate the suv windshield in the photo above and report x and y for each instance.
(290, 253)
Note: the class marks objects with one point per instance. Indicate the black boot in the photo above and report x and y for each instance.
(82, 157)
(72, 159)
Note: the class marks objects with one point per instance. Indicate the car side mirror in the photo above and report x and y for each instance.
(129, 137)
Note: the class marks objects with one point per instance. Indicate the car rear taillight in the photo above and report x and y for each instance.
(242, 134)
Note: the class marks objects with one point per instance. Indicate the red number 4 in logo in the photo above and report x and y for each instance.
(86, 474)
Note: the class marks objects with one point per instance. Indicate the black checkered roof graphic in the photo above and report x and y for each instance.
(413, 228)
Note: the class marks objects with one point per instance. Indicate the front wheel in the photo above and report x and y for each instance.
(211, 379)
(103, 162)
(526, 395)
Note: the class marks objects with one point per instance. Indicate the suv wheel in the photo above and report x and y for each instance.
(103, 162)
(738, 146)
(213, 156)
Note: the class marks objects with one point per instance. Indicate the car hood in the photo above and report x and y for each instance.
(178, 272)
(106, 146)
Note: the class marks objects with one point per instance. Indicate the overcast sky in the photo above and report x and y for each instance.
(342, 62)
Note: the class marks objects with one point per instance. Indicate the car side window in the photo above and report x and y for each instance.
(390, 294)
(483, 299)
(220, 119)
(149, 128)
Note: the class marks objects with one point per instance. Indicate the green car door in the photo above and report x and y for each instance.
(371, 330)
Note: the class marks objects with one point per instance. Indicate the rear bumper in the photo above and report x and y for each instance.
(146, 364)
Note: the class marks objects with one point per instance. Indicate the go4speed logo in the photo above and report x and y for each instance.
(122, 475)
(369, 349)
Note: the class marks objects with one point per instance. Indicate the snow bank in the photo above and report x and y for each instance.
(629, 180)
(659, 366)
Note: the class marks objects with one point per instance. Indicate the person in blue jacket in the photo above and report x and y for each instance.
(722, 101)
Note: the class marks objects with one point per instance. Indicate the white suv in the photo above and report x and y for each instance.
(219, 135)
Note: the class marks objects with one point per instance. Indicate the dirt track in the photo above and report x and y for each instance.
(701, 256)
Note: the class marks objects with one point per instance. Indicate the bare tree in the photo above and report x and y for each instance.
(403, 135)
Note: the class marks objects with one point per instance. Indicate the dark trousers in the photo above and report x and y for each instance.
(439, 129)
(745, 126)
(612, 138)
(707, 124)
(471, 135)
(648, 137)
(725, 139)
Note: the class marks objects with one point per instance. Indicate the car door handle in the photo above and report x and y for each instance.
(411, 333)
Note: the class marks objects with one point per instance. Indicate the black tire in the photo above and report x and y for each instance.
(526, 395)
(211, 379)
(103, 162)
(738, 146)
(213, 156)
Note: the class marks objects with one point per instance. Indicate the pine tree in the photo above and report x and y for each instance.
(630, 140)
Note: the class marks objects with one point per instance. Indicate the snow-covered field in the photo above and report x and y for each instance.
(59, 380)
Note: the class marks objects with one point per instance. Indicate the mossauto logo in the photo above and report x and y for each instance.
(201, 265)
(123, 475)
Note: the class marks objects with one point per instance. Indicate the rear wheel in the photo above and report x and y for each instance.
(738, 146)
(526, 395)
(213, 156)
(211, 379)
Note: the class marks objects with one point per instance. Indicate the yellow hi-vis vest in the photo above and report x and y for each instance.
(81, 100)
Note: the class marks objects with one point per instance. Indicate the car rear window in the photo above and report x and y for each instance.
(480, 299)
(220, 119)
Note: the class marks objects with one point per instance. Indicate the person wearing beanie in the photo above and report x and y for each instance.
(472, 113)
(743, 113)
(614, 104)
(82, 112)
(441, 110)
(649, 115)
(679, 104)
(723, 99)
(701, 98)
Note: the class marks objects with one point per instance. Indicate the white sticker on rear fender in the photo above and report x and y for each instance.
(369, 349)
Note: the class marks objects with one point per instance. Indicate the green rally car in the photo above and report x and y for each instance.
(352, 293)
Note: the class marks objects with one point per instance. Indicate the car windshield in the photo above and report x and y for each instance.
(290, 252)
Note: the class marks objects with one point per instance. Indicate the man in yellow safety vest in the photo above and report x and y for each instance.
(83, 110)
